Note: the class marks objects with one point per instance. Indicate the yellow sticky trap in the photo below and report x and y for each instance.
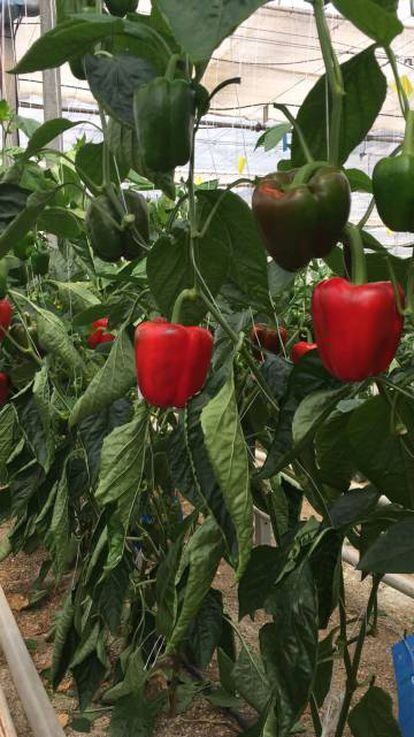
(241, 164)
(198, 180)
(405, 84)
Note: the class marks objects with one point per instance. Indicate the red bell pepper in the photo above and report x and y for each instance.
(299, 350)
(267, 339)
(4, 388)
(98, 335)
(172, 361)
(357, 327)
(6, 311)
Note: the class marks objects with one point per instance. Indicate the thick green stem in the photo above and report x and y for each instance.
(306, 172)
(352, 682)
(335, 81)
(353, 238)
(302, 140)
(410, 288)
(172, 66)
(408, 145)
(186, 295)
(402, 97)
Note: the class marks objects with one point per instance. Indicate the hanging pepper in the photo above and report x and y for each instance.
(136, 205)
(357, 327)
(164, 118)
(301, 214)
(101, 222)
(393, 185)
(99, 334)
(39, 261)
(172, 361)
(6, 311)
(300, 349)
(121, 7)
(267, 339)
(4, 388)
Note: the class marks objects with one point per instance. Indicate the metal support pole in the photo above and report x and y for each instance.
(52, 99)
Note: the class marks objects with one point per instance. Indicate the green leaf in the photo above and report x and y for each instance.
(54, 339)
(199, 27)
(60, 221)
(24, 220)
(7, 426)
(12, 201)
(202, 557)
(65, 641)
(380, 451)
(333, 450)
(373, 717)
(256, 583)
(234, 224)
(227, 450)
(289, 646)
(114, 79)
(46, 133)
(169, 270)
(68, 39)
(250, 679)
(86, 646)
(112, 596)
(122, 465)
(134, 716)
(323, 677)
(371, 18)
(42, 400)
(363, 80)
(59, 531)
(112, 381)
(359, 180)
(312, 410)
(272, 136)
(77, 296)
(353, 506)
(205, 630)
(89, 165)
(393, 551)
(27, 125)
(88, 676)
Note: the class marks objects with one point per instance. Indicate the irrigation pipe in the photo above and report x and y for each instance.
(6, 725)
(33, 696)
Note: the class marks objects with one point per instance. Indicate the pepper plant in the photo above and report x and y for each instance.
(138, 494)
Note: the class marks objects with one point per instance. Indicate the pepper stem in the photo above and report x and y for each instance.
(171, 67)
(306, 172)
(187, 294)
(410, 289)
(408, 146)
(359, 267)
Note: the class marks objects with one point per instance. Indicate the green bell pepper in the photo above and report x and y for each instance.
(393, 185)
(164, 118)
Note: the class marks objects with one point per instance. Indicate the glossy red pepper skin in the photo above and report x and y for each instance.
(300, 349)
(99, 335)
(172, 361)
(357, 327)
(4, 388)
(267, 339)
(6, 311)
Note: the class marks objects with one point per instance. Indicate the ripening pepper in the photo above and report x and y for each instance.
(172, 361)
(39, 261)
(4, 388)
(393, 185)
(300, 349)
(267, 339)
(357, 327)
(299, 222)
(164, 118)
(6, 311)
(99, 334)
(101, 227)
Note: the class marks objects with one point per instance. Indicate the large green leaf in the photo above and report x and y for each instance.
(233, 221)
(23, 220)
(134, 716)
(60, 221)
(393, 551)
(365, 91)
(376, 21)
(373, 717)
(111, 382)
(202, 557)
(380, 452)
(289, 646)
(46, 133)
(65, 641)
(12, 201)
(42, 400)
(227, 450)
(89, 165)
(170, 270)
(200, 26)
(258, 578)
(205, 630)
(77, 296)
(250, 679)
(67, 40)
(333, 450)
(113, 80)
(7, 427)
(54, 338)
(122, 465)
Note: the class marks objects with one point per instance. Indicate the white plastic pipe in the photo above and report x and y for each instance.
(6, 724)
(39, 710)
(398, 582)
